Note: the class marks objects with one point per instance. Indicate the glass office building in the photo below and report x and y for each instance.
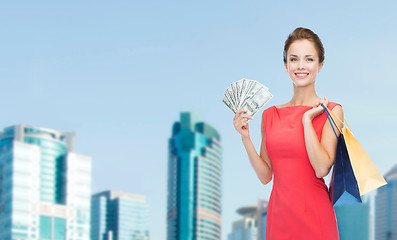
(253, 224)
(354, 221)
(194, 180)
(119, 216)
(261, 218)
(386, 208)
(245, 228)
(262, 231)
(45, 187)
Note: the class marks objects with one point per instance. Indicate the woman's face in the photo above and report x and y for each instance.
(302, 63)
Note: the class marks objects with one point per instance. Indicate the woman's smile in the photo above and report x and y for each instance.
(301, 75)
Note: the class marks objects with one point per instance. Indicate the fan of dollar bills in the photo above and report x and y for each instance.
(246, 93)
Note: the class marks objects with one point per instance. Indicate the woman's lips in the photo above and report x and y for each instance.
(301, 75)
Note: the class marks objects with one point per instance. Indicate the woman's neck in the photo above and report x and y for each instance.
(304, 96)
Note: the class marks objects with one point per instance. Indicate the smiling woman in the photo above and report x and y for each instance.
(303, 56)
(298, 148)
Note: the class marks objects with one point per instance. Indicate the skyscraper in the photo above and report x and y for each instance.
(245, 228)
(194, 180)
(253, 224)
(386, 208)
(45, 187)
(261, 218)
(119, 216)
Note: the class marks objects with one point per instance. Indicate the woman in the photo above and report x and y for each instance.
(298, 147)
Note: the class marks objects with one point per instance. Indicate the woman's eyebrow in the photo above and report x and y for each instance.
(292, 55)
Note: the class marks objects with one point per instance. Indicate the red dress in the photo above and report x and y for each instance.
(299, 205)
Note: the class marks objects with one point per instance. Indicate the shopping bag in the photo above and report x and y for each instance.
(367, 175)
(343, 186)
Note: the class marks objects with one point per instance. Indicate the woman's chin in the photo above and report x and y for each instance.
(301, 83)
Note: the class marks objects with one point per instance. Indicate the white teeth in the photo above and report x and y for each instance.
(301, 75)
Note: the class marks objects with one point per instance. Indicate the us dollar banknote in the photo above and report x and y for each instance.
(248, 94)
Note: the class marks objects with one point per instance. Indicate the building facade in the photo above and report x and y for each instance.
(194, 180)
(45, 187)
(386, 208)
(119, 216)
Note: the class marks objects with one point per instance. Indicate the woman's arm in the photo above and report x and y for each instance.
(261, 164)
(322, 155)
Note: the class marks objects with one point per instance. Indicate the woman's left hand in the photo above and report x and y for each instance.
(315, 111)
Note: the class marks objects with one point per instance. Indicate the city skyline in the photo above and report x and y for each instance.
(20, 132)
(84, 66)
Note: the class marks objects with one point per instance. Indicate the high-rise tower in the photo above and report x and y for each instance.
(194, 180)
(386, 208)
(252, 225)
(119, 216)
(45, 187)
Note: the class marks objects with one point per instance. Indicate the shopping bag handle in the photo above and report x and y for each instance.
(331, 120)
(344, 119)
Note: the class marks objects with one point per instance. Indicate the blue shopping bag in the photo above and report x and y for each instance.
(343, 186)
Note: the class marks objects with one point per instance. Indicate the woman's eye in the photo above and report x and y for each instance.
(293, 59)
(310, 59)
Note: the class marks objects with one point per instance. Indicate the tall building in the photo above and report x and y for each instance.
(245, 228)
(386, 208)
(194, 180)
(252, 225)
(261, 218)
(45, 187)
(119, 216)
(354, 221)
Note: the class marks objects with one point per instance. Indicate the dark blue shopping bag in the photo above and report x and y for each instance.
(343, 186)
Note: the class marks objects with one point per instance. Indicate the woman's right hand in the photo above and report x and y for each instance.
(240, 124)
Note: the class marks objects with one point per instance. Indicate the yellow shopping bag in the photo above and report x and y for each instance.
(367, 175)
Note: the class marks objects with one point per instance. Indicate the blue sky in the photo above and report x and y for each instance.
(118, 74)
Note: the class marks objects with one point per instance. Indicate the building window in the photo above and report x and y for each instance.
(52, 228)
(45, 228)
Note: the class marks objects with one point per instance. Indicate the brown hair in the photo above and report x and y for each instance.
(301, 33)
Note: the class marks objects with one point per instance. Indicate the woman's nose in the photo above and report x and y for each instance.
(301, 64)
